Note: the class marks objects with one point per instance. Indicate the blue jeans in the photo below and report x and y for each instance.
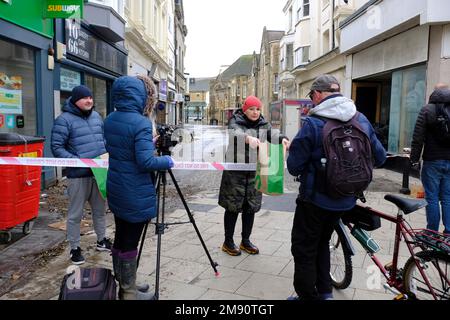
(436, 182)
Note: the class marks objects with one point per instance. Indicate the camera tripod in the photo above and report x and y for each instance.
(161, 225)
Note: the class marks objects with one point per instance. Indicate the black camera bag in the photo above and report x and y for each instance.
(93, 284)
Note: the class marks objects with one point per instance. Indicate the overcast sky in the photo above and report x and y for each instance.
(219, 31)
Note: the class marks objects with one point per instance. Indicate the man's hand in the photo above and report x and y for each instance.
(415, 165)
(252, 142)
(286, 143)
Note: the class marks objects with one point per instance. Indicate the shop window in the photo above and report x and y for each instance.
(98, 87)
(17, 89)
(407, 98)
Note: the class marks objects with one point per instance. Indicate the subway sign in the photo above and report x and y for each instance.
(63, 9)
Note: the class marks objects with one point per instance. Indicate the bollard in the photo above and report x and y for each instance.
(406, 170)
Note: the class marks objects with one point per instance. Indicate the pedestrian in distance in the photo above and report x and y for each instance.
(78, 133)
(318, 209)
(129, 134)
(431, 141)
(246, 128)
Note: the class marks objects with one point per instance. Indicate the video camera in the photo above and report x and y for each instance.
(166, 139)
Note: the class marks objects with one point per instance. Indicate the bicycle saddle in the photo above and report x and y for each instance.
(405, 204)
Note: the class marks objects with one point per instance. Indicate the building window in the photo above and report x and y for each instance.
(99, 90)
(17, 89)
(289, 56)
(303, 9)
(143, 12)
(290, 19)
(276, 84)
(301, 56)
(155, 22)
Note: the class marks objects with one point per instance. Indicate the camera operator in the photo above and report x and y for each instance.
(129, 133)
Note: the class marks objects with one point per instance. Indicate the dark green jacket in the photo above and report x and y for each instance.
(237, 187)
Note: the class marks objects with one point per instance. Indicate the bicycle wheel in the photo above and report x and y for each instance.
(436, 267)
(341, 269)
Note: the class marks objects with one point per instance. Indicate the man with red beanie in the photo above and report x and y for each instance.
(247, 127)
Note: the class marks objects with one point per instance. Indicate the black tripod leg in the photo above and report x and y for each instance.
(159, 226)
(191, 219)
(144, 233)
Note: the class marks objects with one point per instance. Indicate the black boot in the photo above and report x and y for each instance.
(248, 218)
(228, 246)
(249, 247)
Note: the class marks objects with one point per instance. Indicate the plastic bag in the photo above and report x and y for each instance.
(270, 169)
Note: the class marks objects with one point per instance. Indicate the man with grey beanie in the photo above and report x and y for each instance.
(318, 210)
(78, 133)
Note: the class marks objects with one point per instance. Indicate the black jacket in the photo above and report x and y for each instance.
(237, 187)
(424, 136)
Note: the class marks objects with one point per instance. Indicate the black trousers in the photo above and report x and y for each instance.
(311, 233)
(127, 234)
(230, 219)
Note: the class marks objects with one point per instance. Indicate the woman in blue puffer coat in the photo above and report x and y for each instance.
(129, 133)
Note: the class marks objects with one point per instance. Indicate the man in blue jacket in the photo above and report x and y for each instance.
(317, 213)
(78, 133)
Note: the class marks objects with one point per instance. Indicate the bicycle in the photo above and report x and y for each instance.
(425, 274)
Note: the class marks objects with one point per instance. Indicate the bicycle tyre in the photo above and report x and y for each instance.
(410, 280)
(341, 267)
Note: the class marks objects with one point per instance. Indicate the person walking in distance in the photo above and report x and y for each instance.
(129, 134)
(237, 189)
(431, 141)
(78, 133)
(318, 207)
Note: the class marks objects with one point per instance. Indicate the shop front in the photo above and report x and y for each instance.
(391, 90)
(26, 71)
(90, 52)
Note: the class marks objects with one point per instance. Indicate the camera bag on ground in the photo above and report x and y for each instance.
(442, 127)
(348, 162)
(88, 284)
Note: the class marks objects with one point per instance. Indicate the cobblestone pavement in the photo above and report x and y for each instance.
(186, 272)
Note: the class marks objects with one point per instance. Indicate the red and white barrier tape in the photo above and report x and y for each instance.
(100, 163)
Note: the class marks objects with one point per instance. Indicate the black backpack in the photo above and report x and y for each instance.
(347, 166)
(442, 127)
(88, 284)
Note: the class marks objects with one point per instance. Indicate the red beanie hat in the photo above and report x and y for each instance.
(251, 101)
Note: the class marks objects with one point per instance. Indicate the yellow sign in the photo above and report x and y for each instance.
(33, 154)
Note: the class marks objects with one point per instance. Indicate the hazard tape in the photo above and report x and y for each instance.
(102, 163)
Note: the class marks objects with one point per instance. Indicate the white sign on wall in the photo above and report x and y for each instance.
(69, 79)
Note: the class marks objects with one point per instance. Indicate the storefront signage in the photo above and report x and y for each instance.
(63, 9)
(20, 121)
(28, 15)
(10, 123)
(10, 94)
(69, 79)
(81, 43)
